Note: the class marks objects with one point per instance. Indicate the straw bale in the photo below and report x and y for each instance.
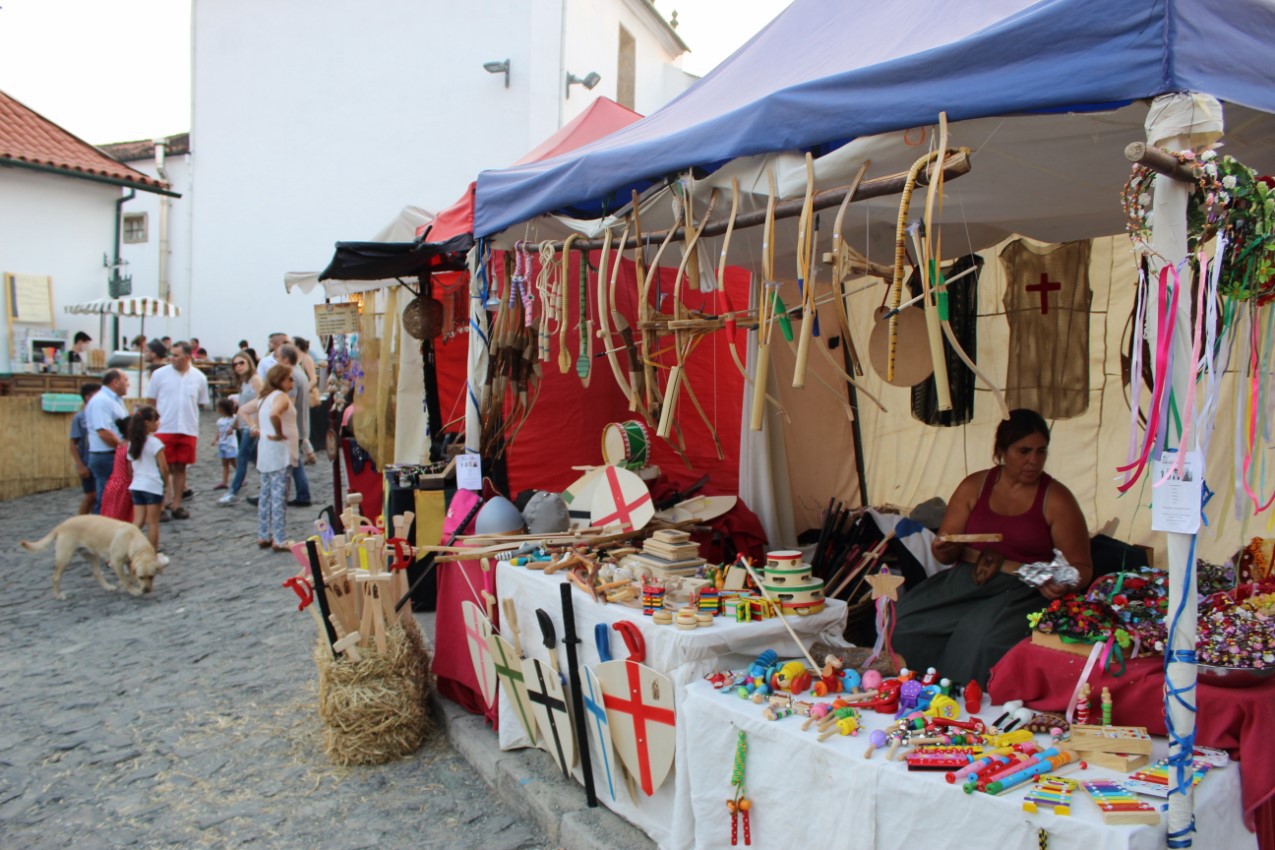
(375, 710)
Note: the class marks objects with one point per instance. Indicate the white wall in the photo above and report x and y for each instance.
(143, 257)
(593, 41)
(60, 227)
(315, 122)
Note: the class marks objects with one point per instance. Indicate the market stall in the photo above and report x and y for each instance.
(830, 788)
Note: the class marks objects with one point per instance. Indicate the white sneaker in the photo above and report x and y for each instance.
(228, 499)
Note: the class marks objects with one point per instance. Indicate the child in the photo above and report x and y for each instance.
(226, 441)
(80, 450)
(150, 471)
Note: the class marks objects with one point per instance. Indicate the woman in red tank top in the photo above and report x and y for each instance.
(962, 620)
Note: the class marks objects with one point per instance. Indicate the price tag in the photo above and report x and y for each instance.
(1176, 501)
(469, 472)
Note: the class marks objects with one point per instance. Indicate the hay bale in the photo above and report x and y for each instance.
(375, 711)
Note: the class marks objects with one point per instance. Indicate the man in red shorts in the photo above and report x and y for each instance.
(177, 391)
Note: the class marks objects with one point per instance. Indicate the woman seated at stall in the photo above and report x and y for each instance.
(962, 620)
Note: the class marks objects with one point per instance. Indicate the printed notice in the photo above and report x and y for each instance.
(1176, 502)
(469, 472)
(30, 298)
(332, 319)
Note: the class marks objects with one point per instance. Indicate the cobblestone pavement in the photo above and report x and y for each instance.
(188, 717)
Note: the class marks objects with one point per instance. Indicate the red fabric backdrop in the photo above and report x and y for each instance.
(565, 426)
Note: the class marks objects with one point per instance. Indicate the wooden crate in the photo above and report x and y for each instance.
(44, 461)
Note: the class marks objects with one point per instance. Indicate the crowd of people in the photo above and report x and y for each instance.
(133, 466)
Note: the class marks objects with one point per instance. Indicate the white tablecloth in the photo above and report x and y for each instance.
(799, 786)
(684, 656)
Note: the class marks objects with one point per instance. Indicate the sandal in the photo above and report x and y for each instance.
(264, 544)
(281, 548)
(181, 513)
(222, 487)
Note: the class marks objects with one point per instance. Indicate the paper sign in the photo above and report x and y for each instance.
(331, 319)
(30, 298)
(469, 472)
(1176, 503)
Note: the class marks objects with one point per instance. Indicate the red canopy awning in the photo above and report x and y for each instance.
(601, 118)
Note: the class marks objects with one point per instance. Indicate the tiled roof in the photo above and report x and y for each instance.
(27, 137)
(144, 149)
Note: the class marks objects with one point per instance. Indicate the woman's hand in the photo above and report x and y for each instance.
(946, 552)
(1052, 590)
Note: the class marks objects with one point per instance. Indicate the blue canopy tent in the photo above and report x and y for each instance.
(826, 72)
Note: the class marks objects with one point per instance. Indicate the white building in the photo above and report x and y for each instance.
(316, 121)
(58, 226)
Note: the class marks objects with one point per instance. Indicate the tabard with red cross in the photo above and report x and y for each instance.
(1047, 300)
(639, 704)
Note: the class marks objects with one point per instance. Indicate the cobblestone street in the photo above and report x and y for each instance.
(187, 718)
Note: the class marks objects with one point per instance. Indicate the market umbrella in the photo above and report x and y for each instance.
(132, 307)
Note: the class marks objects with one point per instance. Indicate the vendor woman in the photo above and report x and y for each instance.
(964, 619)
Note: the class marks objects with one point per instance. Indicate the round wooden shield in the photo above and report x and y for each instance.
(912, 363)
(621, 499)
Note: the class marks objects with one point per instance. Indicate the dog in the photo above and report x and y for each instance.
(120, 544)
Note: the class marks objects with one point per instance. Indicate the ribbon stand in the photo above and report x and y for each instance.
(1177, 122)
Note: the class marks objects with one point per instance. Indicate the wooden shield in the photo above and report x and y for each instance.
(704, 508)
(477, 630)
(595, 718)
(553, 716)
(621, 499)
(579, 496)
(639, 703)
(912, 363)
(509, 671)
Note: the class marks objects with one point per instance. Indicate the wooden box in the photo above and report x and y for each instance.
(1055, 642)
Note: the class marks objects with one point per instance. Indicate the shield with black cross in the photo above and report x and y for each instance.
(553, 718)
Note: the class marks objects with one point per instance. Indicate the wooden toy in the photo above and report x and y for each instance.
(1052, 791)
(1110, 739)
(621, 499)
(549, 707)
(1118, 804)
(477, 630)
(508, 661)
(639, 705)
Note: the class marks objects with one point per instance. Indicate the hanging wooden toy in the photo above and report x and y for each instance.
(740, 804)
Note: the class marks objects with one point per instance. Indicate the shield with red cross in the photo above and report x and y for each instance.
(621, 499)
(639, 705)
(509, 670)
(477, 630)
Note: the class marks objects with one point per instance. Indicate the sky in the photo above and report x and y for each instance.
(119, 70)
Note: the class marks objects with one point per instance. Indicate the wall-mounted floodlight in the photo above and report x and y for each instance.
(498, 68)
(589, 80)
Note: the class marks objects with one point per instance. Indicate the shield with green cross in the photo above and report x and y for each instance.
(509, 671)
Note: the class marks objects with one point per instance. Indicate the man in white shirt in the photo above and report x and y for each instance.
(100, 416)
(178, 390)
(276, 340)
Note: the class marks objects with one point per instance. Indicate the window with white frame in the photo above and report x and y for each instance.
(135, 227)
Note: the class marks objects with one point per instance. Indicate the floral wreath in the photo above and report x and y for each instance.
(1230, 199)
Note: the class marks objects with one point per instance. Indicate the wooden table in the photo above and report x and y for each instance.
(39, 383)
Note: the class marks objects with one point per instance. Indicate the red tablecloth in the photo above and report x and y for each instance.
(1238, 720)
(454, 672)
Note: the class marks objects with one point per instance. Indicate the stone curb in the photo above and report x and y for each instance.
(529, 782)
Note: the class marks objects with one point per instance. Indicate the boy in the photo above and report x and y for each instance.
(80, 450)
